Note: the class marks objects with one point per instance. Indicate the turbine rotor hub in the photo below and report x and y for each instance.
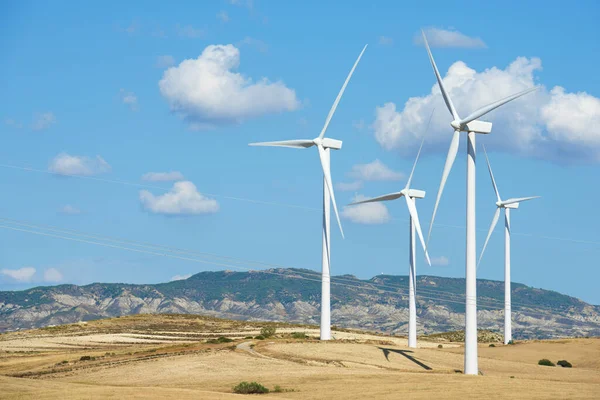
(455, 124)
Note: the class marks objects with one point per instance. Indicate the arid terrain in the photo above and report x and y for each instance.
(181, 357)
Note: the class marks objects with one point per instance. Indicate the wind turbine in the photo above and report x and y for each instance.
(506, 205)
(323, 145)
(471, 125)
(409, 195)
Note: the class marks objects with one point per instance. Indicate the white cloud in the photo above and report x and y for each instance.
(243, 3)
(180, 277)
(375, 171)
(70, 210)
(52, 275)
(370, 213)
(348, 186)
(189, 32)
(129, 98)
(386, 40)
(163, 176)
(437, 37)
(66, 164)
(256, 43)
(13, 123)
(440, 261)
(43, 121)
(553, 124)
(359, 125)
(207, 92)
(223, 16)
(165, 61)
(22, 274)
(183, 199)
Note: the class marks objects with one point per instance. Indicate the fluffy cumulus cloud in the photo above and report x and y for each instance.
(182, 199)
(437, 37)
(43, 121)
(24, 274)
(207, 91)
(129, 98)
(52, 275)
(165, 61)
(348, 186)
(551, 124)
(66, 164)
(375, 171)
(370, 213)
(163, 176)
(440, 261)
(70, 210)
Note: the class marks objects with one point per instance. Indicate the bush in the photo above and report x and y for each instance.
(545, 361)
(440, 346)
(492, 345)
(277, 389)
(268, 331)
(250, 388)
(248, 337)
(564, 364)
(511, 341)
(299, 335)
(86, 358)
(259, 337)
(221, 339)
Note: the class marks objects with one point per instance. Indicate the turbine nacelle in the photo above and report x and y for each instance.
(328, 143)
(414, 193)
(501, 204)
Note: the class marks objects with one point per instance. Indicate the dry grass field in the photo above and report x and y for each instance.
(172, 357)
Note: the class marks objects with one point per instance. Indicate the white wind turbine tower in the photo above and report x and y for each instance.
(409, 195)
(506, 205)
(323, 145)
(471, 125)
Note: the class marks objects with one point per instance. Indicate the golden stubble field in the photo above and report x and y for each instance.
(169, 357)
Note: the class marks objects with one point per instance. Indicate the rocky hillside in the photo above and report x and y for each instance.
(293, 295)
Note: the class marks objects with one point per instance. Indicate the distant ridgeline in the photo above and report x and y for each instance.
(293, 295)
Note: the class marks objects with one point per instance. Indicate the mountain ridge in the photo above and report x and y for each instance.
(293, 295)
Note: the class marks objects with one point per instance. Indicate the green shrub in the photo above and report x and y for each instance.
(64, 362)
(299, 335)
(85, 358)
(440, 346)
(250, 388)
(220, 339)
(511, 341)
(248, 337)
(492, 345)
(259, 337)
(268, 331)
(545, 361)
(564, 364)
(277, 389)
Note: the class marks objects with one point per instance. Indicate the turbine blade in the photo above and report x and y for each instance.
(412, 209)
(518, 200)
(447, 98)
(419, 152)
(339, 96)
(327, 175)
(295, 144)
(452, 151)
(386, 197)
(486, 109)
(492, 226)
(491, 174)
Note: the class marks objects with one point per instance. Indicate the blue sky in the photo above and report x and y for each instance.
(115, 91)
